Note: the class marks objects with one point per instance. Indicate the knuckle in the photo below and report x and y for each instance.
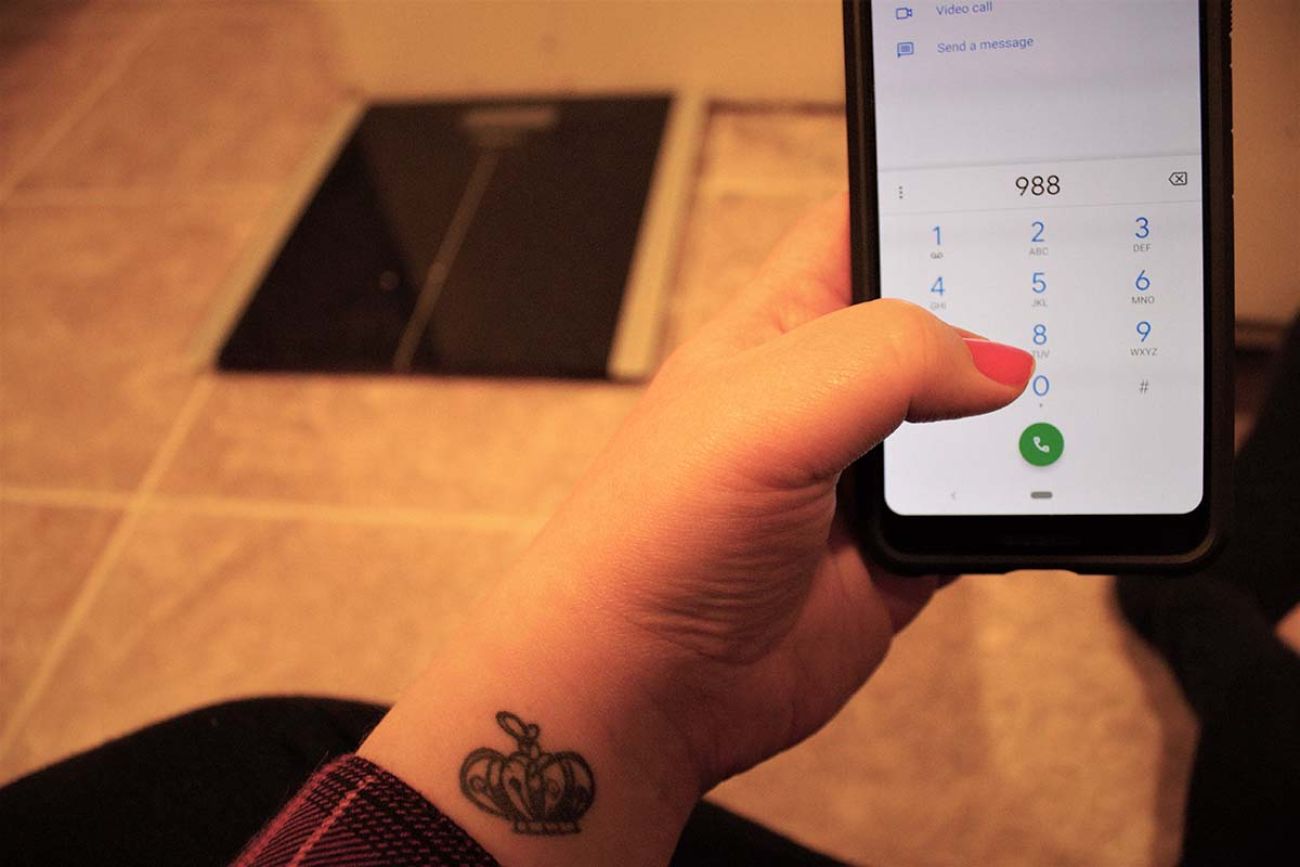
(910, 338)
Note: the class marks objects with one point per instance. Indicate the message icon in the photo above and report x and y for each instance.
(906, 49)
(902, 13)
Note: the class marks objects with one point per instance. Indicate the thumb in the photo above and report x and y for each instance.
(820, 396)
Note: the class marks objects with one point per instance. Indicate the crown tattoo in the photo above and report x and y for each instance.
(539, 792)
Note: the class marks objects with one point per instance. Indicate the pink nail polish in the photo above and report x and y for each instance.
(999, 362)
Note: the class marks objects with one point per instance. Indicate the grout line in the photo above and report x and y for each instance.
(82, 105)
(272, 510)
(67, 497)
(180, 429)
(134, 195)
(99, 572)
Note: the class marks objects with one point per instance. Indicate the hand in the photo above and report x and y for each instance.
(696, 605)
(715, 505)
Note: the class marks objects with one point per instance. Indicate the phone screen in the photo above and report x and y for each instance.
(1040, 183)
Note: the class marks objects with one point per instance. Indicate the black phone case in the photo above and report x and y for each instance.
(862, 487)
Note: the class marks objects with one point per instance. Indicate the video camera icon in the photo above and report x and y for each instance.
(902, 13)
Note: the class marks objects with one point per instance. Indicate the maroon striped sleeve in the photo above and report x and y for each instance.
(354, 812)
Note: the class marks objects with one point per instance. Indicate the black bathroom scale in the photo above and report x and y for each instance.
(490, 237)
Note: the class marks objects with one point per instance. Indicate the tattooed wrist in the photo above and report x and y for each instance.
(538, 792)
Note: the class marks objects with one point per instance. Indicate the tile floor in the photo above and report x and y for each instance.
(170, 537)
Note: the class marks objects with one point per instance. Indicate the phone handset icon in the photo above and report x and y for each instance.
(1041, 444)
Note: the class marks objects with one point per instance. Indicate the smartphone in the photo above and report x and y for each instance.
(1056, 175)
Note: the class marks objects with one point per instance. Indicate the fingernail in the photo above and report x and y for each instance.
(999, 362)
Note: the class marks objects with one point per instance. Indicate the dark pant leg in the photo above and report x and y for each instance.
(716, 837)
(1262, 558)
(1243, 805)
(1216, 632)
(194, 789)
(191, 790)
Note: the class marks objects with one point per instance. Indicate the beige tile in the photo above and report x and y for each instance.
(51, 57)
(761, 170)
(220, 95)
(451, 445)
(728, 236)
(1014, 723)
(763, 145)
(45, 553)
(201, 609)
(97, 304)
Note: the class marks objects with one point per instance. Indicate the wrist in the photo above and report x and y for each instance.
(548, 663)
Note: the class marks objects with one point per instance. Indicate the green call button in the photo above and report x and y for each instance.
(1041, 444)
